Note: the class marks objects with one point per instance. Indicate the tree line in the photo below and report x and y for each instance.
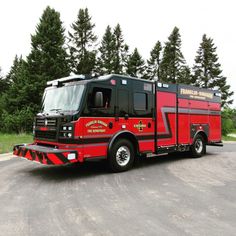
(55, 55)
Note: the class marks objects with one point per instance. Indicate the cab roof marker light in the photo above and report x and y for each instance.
(124, 81)
(113, 82)
(165, 85)
(159, 84)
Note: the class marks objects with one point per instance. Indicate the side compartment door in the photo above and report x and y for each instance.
(166, 118)
(183, 121)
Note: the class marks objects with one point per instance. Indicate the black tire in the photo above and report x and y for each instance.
(198, 148)
(121, 157)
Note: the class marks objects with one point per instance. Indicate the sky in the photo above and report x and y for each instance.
(142, 23)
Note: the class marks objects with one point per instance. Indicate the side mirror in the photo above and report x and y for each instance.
(98, 99)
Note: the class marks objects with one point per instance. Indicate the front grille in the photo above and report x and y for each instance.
(46, 122)
(45, 134)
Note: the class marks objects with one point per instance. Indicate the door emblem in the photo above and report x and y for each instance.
(140, 126)
(96, 126)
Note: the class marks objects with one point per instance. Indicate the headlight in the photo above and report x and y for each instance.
(66, 130)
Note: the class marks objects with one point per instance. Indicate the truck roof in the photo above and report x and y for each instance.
(185, 90)
(91, 78)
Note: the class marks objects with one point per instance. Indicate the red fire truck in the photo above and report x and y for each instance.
(120, 118)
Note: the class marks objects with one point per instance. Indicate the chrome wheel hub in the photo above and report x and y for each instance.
(198, 146)
(123, 155)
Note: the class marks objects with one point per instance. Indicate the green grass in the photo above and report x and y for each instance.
(7, 141)
(229, 138)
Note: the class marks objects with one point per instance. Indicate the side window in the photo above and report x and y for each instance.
(100, 102)
(123, 102)
(106, 95)
(140, 101)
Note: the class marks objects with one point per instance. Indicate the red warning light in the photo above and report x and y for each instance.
(113, 82)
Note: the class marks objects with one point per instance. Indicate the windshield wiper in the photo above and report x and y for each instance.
(57, 110)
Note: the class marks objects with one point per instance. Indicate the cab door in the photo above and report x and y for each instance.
(98, 125)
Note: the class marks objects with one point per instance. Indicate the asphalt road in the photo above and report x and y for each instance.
(171, 195)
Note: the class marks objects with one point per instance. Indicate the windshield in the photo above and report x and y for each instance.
(65, 98)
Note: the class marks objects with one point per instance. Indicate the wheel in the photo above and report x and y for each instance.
(198, 147)
(121, 156)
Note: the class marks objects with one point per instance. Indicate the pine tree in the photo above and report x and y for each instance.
(113, 52)
(173, 60)
(18, 95)
(12, 76)
(107, 48)
(2, 89)
(81, 44)
(18, 107)
(135, 64)
(184, 75)
(3, 84)
(121, 51)
(48, 59)
(207, 71)
(153, 63)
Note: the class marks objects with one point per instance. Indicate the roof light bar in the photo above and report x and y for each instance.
(67, 79)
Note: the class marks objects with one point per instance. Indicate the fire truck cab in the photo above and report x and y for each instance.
(120, 118)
